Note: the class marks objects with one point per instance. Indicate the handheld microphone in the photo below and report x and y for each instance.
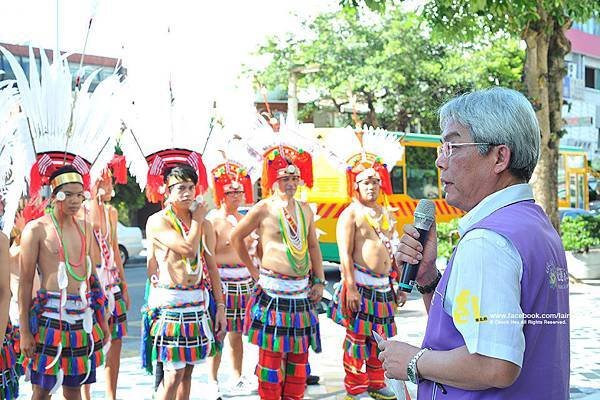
(424, 218)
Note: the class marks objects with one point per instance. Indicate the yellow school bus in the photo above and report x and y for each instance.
(573, 174)
(416, 177)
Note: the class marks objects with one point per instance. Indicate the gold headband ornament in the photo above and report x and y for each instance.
(67, 177)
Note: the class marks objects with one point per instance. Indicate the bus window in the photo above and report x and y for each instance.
(397, 176)
(562, 189)
(421, 172)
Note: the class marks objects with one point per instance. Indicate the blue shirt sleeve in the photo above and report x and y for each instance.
(484, 293)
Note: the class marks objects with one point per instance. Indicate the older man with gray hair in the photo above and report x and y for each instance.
(498, 323)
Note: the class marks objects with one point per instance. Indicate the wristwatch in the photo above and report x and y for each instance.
(318, 281)
(411, 369)
(430, 287)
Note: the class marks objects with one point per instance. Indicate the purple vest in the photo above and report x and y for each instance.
(544, 289)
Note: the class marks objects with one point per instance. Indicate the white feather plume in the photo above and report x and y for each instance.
(13, 150)
(263, 138)
(235, 148)
(59, 119)
(170, 103)
(342, 145)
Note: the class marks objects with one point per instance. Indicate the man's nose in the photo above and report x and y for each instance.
(441, 162)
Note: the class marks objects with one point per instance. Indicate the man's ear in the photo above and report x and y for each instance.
(503, 156)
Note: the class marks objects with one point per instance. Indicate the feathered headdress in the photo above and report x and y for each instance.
(365, 153)
(169, 117)
(231, 167)
(65, 126)
(13, 150)
(286, 152)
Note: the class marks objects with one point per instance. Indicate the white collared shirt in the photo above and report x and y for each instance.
(485, 281)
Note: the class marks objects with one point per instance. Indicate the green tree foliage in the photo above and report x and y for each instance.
(128, 200)
(390, 63)
(447, 235)
(542, 25)
(581, 233)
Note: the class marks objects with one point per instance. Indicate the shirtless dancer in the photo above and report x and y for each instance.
(9, 379)
(281, 318)
(34, 208)
(63, 342)
(182, 331)
(365, 301)
(104, 218)
(232, 188)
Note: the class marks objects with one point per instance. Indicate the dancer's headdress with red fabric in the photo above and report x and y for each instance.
(287, 152)
(162, 160)
(231, 167)
(365, 153)
(65, 126)
(230, 177)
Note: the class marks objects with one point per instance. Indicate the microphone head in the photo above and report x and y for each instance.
(424, 214)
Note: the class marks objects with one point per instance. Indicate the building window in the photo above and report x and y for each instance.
(592, 78)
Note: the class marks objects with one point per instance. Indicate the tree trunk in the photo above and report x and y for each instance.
(371, 119)
(536, 80)
(558, 49)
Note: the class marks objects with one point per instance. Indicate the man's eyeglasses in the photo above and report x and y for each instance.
(446, 147)
(235, 193)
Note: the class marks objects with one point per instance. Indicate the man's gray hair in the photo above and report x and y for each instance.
(499, 116)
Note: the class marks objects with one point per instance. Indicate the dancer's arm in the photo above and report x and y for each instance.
(345, 231)
(30, 242)
(4, 285)
(215, 278)
(114, 220)
(316, 258)
(165, 235)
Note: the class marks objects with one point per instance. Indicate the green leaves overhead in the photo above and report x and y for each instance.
(389, 63)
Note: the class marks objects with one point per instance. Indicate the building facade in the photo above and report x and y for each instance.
(582, 88)
(91, 63)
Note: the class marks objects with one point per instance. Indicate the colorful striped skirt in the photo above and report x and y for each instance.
(65, 353)
(9, 371)
(282, 324)
(375, 313)
(118, 318)
(237, 295)
(180, 333)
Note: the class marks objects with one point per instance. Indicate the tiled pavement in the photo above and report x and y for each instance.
(585, 355)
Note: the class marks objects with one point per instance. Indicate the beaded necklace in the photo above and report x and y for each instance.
(191, 266)
(105, 244)
(295, 234)
(377, 228)
(63, 253)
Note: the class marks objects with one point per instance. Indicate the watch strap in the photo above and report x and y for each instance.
(412, 371)
(431, 286)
